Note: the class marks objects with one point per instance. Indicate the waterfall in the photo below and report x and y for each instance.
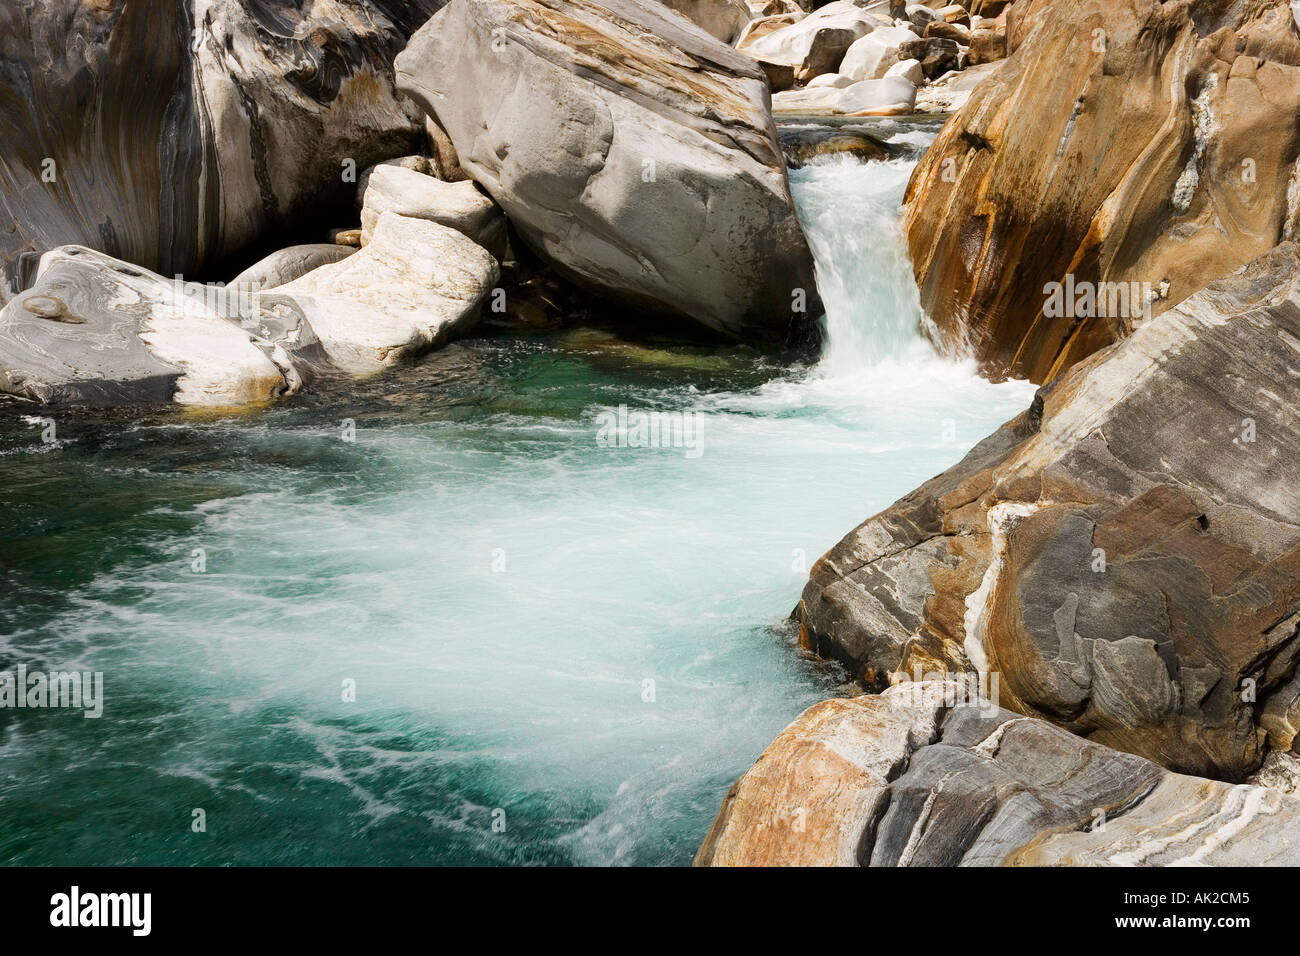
(850, 213)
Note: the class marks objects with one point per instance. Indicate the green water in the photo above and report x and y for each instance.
(584, 645)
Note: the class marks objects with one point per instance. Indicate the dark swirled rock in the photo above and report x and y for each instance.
(170, 134)
(630, 149)
(1125, 555)
(922, 775)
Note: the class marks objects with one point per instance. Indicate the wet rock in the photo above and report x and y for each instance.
(1124, 556)
(632, 152)
(802, 144)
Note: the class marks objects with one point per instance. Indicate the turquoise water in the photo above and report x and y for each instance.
(585, 645)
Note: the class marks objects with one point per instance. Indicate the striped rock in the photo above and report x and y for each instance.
(925, 775)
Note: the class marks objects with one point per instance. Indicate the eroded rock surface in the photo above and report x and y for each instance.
(630, 149)
(1123, 141)
(98, 331)
(912, 777)
(1125, 555)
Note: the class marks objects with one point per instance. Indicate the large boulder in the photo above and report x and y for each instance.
(95, 330)
(926, 775)
(1124, 557)
(1125, 140)
(415, 284)
(630, 149)
(724, 19)
(170, 134)
(816, 43)
(871, 57)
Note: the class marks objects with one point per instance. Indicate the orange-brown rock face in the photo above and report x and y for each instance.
(1124, 558)
(1124, 141)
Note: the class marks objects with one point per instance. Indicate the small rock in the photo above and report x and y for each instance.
(444, 153)
(285, 265)
(409, 193)
(937, 55)
(909, 70)
(919, 16)
(346, 237)
(954, 13)
(948, 31)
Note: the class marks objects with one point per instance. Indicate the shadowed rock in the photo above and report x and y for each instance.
(723, 19)
(1125, 555)
(916, 777)
(169, 134)
(628, 148)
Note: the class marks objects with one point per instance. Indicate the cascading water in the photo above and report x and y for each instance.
(850, 214)
(473, 634)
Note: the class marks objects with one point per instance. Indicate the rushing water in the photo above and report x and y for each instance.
(586, 644)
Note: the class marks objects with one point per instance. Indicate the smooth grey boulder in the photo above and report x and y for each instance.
(172, 134)
(1125, 555)
(927, 775)
(630, 149)
(285, 265)
(96, 330)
